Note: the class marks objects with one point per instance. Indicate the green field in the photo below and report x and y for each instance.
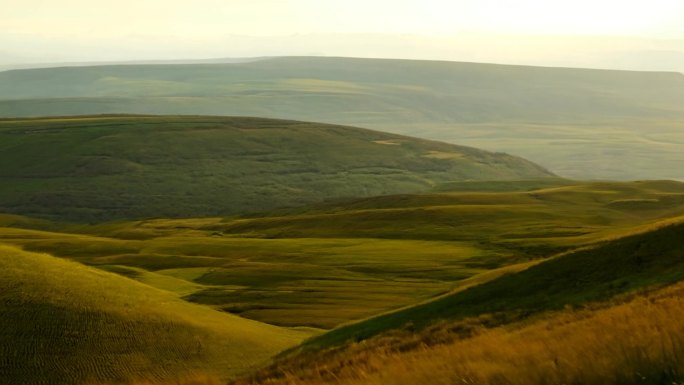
(578, 123)
(122, 167)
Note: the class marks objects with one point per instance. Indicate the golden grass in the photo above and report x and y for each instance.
(639, 341)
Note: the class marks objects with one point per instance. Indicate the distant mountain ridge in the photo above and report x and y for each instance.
(38, 65)
(579, 123)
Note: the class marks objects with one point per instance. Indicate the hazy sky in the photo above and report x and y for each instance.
(63, 30)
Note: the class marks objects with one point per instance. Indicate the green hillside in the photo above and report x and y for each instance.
(64, 323)
(110, 167)
(653, 258)
(578, 123)
(538, 222)
(472, 258)
(608, 313)
(627, 340)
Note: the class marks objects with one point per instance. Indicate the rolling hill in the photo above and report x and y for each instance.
(113, 167)
(607, 314)
(64, 323)
(578, 123)
(334, 263)
(627, 341)
(653, 258)
(473, 261)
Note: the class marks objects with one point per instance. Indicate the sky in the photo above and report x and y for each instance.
(515, 31)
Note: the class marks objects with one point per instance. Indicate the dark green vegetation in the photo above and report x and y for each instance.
(578, 123)
(111, 167)
(64, 323)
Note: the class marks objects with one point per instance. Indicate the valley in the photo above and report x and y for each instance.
(502, 256)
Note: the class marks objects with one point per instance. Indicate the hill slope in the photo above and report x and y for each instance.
(609, 314)
(97, 168)
(597, 122)
(623, 265)
(64, 323)
(628, 340)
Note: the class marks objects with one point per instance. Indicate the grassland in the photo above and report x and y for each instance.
(630, 340)
(621, 324)
(65, 323)
(334, 263)
(124, 167)
(605, 314)
(587, 124)
(572, 279)
(475, 262)
(292, 282)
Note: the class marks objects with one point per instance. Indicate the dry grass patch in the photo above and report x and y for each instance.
(640, 341)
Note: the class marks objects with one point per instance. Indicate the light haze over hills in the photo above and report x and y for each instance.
(608, 34)
(599, 124)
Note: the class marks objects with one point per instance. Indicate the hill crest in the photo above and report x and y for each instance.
(113, 167)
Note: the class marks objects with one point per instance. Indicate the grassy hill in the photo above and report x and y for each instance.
(472, 260)
(652, 258)
(64, 323)
(579, 123)
(606, 314)
(538, 222)
(628, 340)
(111, 167)
(330, 264)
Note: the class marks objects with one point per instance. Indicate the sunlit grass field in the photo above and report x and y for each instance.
(151, 300)
(630, 334)
(66, 323)
(606, 314)
(631, 340)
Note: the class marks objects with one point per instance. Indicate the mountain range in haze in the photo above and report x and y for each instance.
(626, 53)
(601, 124)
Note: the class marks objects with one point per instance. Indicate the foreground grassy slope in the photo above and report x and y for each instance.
(579, 123)
(64, 323)
(329, 264)
(629, 340)
(107, 167)
(652, 258)
(607, 314)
